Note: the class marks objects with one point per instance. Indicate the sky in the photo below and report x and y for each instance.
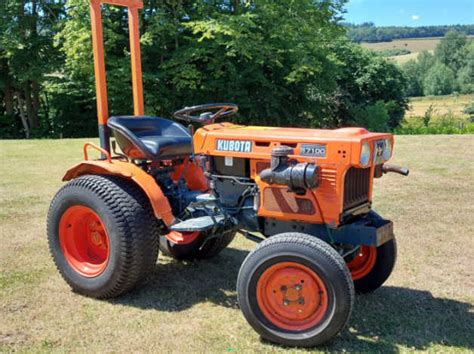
(410, 12)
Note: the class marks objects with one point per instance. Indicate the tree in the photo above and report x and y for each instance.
(450, 50)
(439, 80)
(426, 60)
(266, 55)
(284, 62)
(415, 72)
(365, 80)
(465, 77)
(414, 78)
(27, 55)
(374, 117)
(367, 32)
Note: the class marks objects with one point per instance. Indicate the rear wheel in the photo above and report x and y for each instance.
(200, 248)
(372, 266)
(102, 235)
(295, 290)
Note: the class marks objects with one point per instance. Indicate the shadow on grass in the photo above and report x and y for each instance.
(411, 318)
(380, 321)
(176, 286)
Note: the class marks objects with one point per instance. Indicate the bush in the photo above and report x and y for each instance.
(414, 78)
(445, 124)
(394, 52)
(374, 117)
(439, 80)
(465, 78)
(368, 82)
(10, 127)
(469, 110)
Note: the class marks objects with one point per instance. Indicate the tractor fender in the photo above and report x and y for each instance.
(158, 201)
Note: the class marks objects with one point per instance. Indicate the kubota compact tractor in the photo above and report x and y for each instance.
(303, 194)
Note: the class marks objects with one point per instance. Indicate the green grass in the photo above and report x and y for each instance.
(427, 304)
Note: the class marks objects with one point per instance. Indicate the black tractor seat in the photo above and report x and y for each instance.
(150, 138)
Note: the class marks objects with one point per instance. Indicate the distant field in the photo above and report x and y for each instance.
(191, 307)
(454, 104)
(402, 59)
(414, 45)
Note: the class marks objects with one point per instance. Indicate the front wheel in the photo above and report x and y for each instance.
(371, 266)
(295, 290)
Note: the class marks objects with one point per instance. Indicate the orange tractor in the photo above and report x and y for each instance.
(303, 194)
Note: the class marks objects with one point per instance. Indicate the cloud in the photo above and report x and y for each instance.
(415, 17)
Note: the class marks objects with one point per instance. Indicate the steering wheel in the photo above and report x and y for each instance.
(206, 113)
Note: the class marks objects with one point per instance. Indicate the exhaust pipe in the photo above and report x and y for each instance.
(396, 169)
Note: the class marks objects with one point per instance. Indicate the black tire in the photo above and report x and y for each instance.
(322, 260)
(130, 224)
(197, 249)
(383, 267)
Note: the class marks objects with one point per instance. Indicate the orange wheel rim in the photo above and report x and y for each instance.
(84, 241)
(363, 262)
(292, 296)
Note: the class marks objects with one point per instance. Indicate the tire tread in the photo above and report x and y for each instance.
(132, 213)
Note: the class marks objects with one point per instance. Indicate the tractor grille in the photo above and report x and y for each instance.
(356, 187)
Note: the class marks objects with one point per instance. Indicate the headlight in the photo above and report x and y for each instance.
(387, 152)
(365, 154)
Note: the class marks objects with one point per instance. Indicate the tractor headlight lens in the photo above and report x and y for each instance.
(365, 154)
(387, 152)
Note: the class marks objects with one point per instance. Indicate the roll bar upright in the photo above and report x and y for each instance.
(99, 62)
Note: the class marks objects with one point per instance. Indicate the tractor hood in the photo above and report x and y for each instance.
(340, 146)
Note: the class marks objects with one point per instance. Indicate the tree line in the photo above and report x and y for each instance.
(368, 32)
(449, 69)
(286, 63)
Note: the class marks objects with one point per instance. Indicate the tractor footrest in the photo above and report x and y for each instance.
(202, 223)
(207, 197)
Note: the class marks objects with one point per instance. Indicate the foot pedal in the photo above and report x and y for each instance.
(202, 223)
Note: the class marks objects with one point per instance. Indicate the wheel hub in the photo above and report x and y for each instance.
(363, 262)
(84, 241)
(292, 296)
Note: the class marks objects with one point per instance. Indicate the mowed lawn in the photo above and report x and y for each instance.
(427, 304)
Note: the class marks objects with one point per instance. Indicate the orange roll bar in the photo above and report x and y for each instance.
(133, 24)
(99, 62)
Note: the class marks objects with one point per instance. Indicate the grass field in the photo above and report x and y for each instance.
(414, 45)
(427, 304)
(454, 104)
